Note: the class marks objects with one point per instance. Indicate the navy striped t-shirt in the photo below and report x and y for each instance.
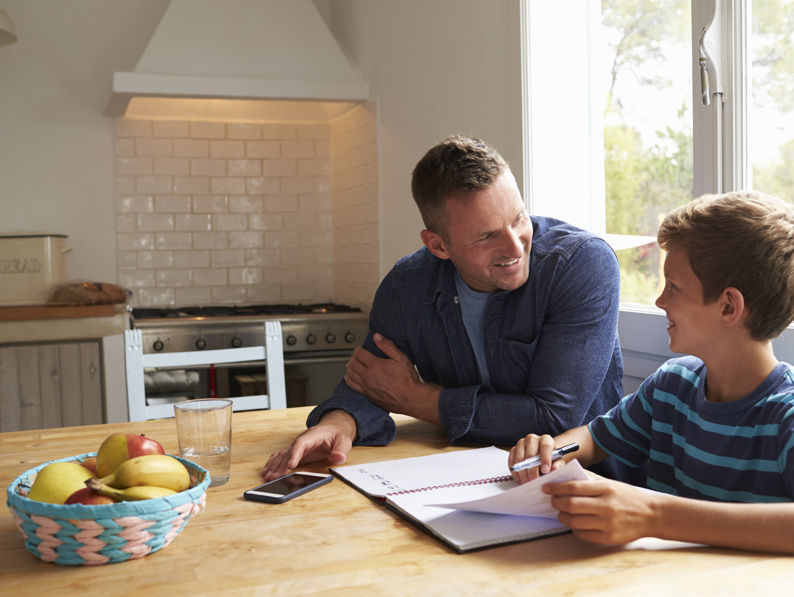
(737, 451)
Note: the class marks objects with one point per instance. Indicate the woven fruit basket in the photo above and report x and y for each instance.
(77, 534)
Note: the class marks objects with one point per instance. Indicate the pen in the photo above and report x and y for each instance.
(535, 460)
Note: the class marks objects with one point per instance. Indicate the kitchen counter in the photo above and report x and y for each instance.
(48, 323)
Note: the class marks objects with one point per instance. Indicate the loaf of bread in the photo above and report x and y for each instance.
(88, 293)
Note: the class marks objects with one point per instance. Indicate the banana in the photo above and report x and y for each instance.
(160, 470)
(136, 492)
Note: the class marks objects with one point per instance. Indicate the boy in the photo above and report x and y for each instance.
(715, 429)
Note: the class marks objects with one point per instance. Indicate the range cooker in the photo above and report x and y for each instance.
(317, 339)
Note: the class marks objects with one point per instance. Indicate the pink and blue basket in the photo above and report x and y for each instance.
(77, 534)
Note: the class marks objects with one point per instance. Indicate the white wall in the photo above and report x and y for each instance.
(56, 149)
(435, 67)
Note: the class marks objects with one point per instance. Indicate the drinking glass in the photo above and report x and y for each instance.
(204, 429)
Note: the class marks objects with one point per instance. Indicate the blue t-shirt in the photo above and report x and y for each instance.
(738, 451)
(472, 306)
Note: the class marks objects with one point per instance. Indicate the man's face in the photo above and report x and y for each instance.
(487, 236)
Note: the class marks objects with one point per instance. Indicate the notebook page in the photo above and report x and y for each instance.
(520, 500)
(381, 478)
(471, 530)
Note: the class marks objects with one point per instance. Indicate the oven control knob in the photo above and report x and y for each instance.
(291, 340)
(330, 338)
(236, 342)
(201, 344)
(158, 345)
(311, 339)
(350, 337)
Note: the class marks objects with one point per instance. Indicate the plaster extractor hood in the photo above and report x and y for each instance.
(239, 49)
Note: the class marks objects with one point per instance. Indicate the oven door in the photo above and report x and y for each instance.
(310, 378)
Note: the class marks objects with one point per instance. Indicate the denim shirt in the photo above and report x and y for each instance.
(551, 345)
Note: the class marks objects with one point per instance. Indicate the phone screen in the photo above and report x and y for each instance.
(287, 487)
(288, 484)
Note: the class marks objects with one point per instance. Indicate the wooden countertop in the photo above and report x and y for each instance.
(335, 541)
(36, 312)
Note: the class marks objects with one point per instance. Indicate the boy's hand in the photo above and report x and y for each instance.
(532, 445)
(603, 511)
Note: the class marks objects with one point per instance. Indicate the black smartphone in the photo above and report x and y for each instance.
(287, 487)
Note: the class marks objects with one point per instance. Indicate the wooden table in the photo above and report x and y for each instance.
(335, 541)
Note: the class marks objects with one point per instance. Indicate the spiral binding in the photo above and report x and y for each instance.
(457, 484)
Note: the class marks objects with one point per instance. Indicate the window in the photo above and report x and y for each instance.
(633, 107)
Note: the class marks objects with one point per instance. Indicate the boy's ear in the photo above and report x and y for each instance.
(732, 307)
(434, 243)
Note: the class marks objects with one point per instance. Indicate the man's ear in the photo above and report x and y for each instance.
(434, 243)
(732, 308)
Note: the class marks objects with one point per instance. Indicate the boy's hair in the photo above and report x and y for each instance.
(456, 164)
(745, 240)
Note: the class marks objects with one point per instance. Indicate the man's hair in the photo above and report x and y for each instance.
(745, 240)
(457, 164)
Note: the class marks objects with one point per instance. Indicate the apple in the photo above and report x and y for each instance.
(119, 447)
(90, 464)
(57, 481)
(89, 497)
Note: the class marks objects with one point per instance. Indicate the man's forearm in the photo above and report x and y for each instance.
(342, 420)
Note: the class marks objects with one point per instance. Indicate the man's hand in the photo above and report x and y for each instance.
(604, 511)
(392, 383)
(331, 439)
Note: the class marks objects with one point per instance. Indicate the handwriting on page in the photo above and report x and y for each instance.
(523, 500)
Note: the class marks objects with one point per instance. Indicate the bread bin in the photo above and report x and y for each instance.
(31, 264)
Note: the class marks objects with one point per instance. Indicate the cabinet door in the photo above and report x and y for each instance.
(50, 385)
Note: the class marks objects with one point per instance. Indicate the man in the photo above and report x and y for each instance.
(502, 324)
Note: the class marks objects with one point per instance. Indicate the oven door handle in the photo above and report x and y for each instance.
(315, 360)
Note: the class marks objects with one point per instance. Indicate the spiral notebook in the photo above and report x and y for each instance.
(466, 499)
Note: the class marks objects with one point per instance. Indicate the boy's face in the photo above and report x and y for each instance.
(488, 237)
(691, 324)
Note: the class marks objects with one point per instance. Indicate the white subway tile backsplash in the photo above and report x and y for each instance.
(246, 240)
(193, 295)
(172, 166)
(134, 166)
(263, 149)
(210, 240)
(227, 186)
(207, 167)
(229, 222)
(172, 240)
(213, 204)
(191, 185)
(171, 128)
(156, 222)
(153, 184)
(172, 204)
(152, 147)
(243, 130)
(194, 222)
(208, 130)
(260, 186)
(172, 278)
(238, 212)
(245, 204)
(154, 259)
(227, 149)
(191, 148)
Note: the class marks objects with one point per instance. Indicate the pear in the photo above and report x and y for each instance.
(119, 447)
(57, 481)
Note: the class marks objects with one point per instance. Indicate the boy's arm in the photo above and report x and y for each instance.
(588, 453)
(610, 512)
